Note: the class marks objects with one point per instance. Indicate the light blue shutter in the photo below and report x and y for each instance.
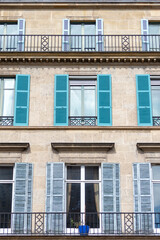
(144, 32)
(21, 105)
(66, 33)
(21, 32)
(99, 37)
(22, 198)
(142, 197)
(144, 107)
(111, 198)
(104, 100)
(55, 197)
(61, 100)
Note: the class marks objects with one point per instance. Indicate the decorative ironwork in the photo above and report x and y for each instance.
(125, 43)
(82, 121)
(156, 121)
(39, 222)
(45, 43)
(6, 121)
(129, 223)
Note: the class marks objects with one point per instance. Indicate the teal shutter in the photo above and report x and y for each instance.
(21, 32)
(21, 106)
(55, 197)
(104, 100)
(61, 100)
(111, 198)
(142, 197)
(22, 198)
(144, 32)
(66, 33)
(144, 108)
(99, 37)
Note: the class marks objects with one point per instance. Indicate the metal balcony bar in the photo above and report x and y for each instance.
(83, 121)
(79, 43)
(6, 120)
(156, 121)
(67, 223)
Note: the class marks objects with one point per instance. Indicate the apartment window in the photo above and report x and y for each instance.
(156, 193)
(7, 92)
(8, 42)
(154, 40)
(155, 93)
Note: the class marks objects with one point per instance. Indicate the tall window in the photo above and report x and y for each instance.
(154, 29)
(8, 42)
(155, 89)
(156, 193)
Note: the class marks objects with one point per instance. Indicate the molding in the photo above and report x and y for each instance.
(149, 147)
(12, 147)
(82, 146)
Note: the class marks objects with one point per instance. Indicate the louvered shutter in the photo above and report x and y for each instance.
(21, 105)
(22, 198)
(144, 107)
(111, 198)
(61, 100)
(99, 37)
(144, 32)
(21, 32)
(104, 100)
(55, 198)
(142, 197)
(66, 32)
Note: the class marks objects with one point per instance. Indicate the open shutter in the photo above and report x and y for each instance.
(144, 32)
(111, 197)
(142, 197)
(99, 37)
(21, 32)
(21, 106)
(104, 97)
(144, 108)
(61, 100)
(66, 32)
(55, 198)
(22, 198)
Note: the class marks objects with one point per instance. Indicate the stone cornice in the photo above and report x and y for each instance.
(149, 147)
(12, 147)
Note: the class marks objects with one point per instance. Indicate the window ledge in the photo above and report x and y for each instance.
(149, 147)
(82, 146)
(12, 147)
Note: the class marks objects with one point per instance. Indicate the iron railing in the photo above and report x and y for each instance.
(68, 223)
(79, 43)
(156, 121)
(83, 121)
(6, 120)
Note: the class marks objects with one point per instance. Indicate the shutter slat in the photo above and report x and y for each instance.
(144, 32)
(21, 32)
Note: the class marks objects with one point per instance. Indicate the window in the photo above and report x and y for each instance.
(156, 193)
(8, 42)
(154, 42)
(155, 92)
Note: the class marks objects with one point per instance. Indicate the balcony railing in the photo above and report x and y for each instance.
(83, 121)
(67, 223)
(6, 120)
(79, 43)
(156, 121)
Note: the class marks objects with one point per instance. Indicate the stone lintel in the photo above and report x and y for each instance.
(149, 147)
(12, 147)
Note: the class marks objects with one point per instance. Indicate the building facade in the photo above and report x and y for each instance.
(80, 117)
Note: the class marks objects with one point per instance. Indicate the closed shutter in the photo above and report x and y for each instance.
(61, 100)
(21, 32)
(55, 198)
(22, 198)
(144, 108)
(21, 106)
(142, 197)
(144, 32)
(111, 198)
(104, 97)
(66, 33)
(99, 37)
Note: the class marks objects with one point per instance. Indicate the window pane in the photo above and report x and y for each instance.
(5, 197)
(89, 101)
(6, 173)
(156, 102)
(73, 173)
(89, 29)
(75, 101)
(156, 172)
(92, 173)
(76, 29)
(8, 103)
(154, 28)
(9, 83)
(12, 29)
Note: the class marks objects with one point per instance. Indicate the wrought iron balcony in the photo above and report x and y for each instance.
(79, 43)
(6, 120)
(41, 223)
(83, 121)
(156, 121)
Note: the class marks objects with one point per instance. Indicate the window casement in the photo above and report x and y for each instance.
(156, 194)
(155, 96)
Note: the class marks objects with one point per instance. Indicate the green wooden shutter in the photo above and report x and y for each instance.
(22, 198)
(55, 197)
(66, 32)
(111, 197)
(61, 100)
(144, 32)
(99, 37)
(104, 100)
(21, 32)
(144, 107)
(21, 106)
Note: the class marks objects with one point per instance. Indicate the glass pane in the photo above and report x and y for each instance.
(156, 172)
(89, 101)
(9, 83)
(5, 197)
(8, 103)
(73, 205)
(92, 204)
(154, 41)
(6, 173)
(73, 173)
(12, 29)
(154, 28)
(76, 29)
(156, 191)
(156, 102)
(90, 30)
(2, 29)
(75, 101)
(92, 173)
